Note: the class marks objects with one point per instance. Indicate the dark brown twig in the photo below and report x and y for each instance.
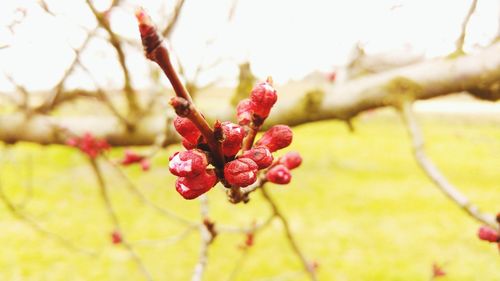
(157, 52)
(435, 175)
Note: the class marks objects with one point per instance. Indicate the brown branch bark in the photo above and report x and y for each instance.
(435, 175)
(341, 101)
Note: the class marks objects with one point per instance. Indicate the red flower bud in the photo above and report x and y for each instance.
(291, 160)
(437, 271)
(332, 76)
(244, 111)
(188, 163)
(89, 145)
(187, 129)
(277, 137)
(144, 21)
(187, 145)
(250, 239)
(116, 237)
(489, 234)
(260, 155)
(233, 137)
(192, 187)
(263, 97)
(279, 174)
(131, 158)
(145, 165)
(241, 172)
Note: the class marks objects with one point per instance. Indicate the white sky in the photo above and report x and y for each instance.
(285, 39)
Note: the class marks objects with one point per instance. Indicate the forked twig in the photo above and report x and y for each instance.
(435, 175)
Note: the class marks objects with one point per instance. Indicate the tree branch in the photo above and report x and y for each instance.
(144, 200)
(435, 175)
(341, 101)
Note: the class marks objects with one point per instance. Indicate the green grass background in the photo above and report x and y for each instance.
(359, 206)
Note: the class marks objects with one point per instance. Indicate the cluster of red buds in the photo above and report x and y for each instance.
(131, 158)
(224, 152)
(89, 145)
(489, 234)
(243, 160)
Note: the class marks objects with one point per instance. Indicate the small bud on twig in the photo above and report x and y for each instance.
(181, 106)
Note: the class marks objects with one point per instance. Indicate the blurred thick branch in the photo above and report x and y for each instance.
(477, 73)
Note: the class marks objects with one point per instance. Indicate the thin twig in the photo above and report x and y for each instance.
(435, 175)
(24, 104)
(206, 240)
(53, 101)
(253, 230)
(174, 18)
(291, 240)
(101, 94)
(239, 264)
(238, 230)
(144, 200)
(115, 220)
(114, 40)
(166, 241)
(461, 38)
(38, 227)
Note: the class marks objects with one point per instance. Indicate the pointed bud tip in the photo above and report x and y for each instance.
(269, 80)
(141, 15)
